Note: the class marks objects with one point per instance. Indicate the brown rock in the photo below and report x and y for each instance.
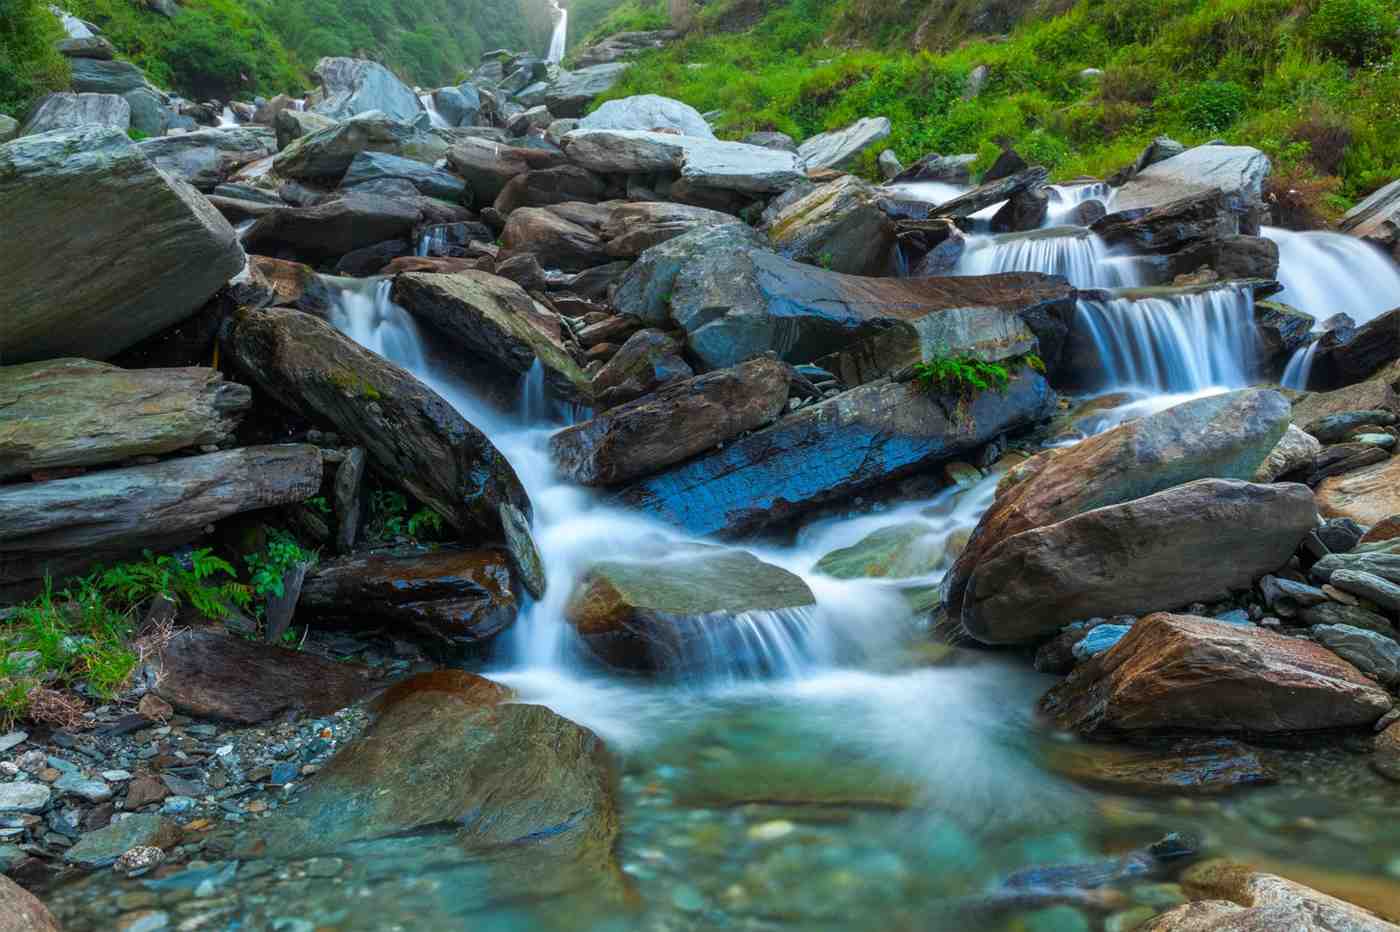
(1385, 759)
(559, 243)
(1179, 672)
(647, 360)
(21, 911)
(143, 790)
(1386, 529)
(215, 676)
(631, 229)
(155, 708)
(1193, 766)
(1368, 496)
(549, 186)
(488, 166)
(1380, 392)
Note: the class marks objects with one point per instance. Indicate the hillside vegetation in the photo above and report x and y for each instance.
(1314, 83)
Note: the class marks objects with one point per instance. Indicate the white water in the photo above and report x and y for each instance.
(429, 105)
(1067, 197)
(560, 38)
(1073, 252)
(1299, 368)
(1328, 273)
(227, 118)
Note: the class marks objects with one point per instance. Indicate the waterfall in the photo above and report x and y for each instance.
(1065, 198)
(1172, 343)
(429, 105)
(227, 118)
(1328, 273)
(560, 37)
(1073, 252)
(1299, 368)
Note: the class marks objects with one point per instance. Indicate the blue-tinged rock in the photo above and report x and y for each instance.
(283, 773)
(1237, 616)
(1099, 640)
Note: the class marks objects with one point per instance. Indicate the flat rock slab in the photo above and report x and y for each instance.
(217, 676)
(1368, 495)
(1183, 673)
(706, 163)
(102, 847)
(77, 412)
(1196, 767)
(1238, 171)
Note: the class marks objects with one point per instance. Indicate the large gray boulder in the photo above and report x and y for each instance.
(207, 157)
(1238, 171)
(572, 91)
(832, 451)
(94, 76)
(150, 114)
(646, 289)
(333, 228)
(353, 86)
(841, 148)
(327, 154)
(649, 112)
(433, 182)
(113, 250)
(704, 163)
(489, 166)
(65, 110)
(1155, 553)
(839, 226)
(459, 106)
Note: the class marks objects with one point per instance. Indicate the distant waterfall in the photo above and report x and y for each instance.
(430, 106)
(560, 38)
(1175, 343)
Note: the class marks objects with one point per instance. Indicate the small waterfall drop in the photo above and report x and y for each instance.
(1066, 198)
(560, 37)
(1328, 273)
(227, 118)
(1172, 343)
(1074, 252)
(430, 107)
(1299, 368)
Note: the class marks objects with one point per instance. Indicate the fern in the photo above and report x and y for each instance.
(195, 582)
(269, 568)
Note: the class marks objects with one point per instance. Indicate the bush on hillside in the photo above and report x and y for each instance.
(1356, 31)
(29, 66)
(1211, 106)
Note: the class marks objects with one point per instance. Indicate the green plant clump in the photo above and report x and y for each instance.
(268, 568)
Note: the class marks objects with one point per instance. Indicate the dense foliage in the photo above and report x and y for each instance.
(590, 20)
(29, 66)
(1315, 84)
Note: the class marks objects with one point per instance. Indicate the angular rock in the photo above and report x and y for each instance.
(349, 500)
(353, 86)
(414, 438)
(780, 141)
(76, 412)
(489, 166)
(950, 169)
(331, 229)
(670, 611)
(1223, 436)
(1166, 227)
(570, 94)
(1148, 554)
(1374, 589)
(1237, 171)
(494, 320)
(557, 241)
(292, 125)
(550, 186)
(631, 229)
(672, 424)
(1282, 329)
(1197, 767)
(705, 163)
(647, 288)
(986, 333)
(830, 451)
(1374, 344)
(897, 551)
(459, 106)
(992, 192)
(839, 226)
(841, 148)
(86, 47)
(649, 112)
(151, 250)
(1353, 616)
(1295, 451)
(451, 597)
(1380, 392)
(1368, 495)
(1179, 672)
(1377, 218)
(648, 360)
(375, 166)
(22, 911)
(208, 157)
(1374, 654)
(326, 155)
(102, 848)
(1159, 149)
(210, 675)
(95, 76)
(65, 111)
(23, 796)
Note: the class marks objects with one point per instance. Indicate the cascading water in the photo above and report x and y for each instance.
(430, 107)
(1065, 198)
(1073, 252)
(1299, 368)
(559, 39)
(227, 118)
(1327, 273)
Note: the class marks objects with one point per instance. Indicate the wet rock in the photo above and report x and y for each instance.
(21, 911)
(1368, 495)
(414, 438)
(839, 226)
(1381, 391)
(1237, 898)
(992, 192)
(1148, 554)
(646, 289)
(1287, 597)
(1385, 760)
(216, 676)
(841, 148)
(1373, 654)
(672, 424)
(1377, 218)
(353, 86)
(326, 155)
(1335, 428)
(1179, 672)
(1225, 436)
(24, 797)
(525, 793)
(649, 112)
(374, 166)
(648, 360)
(830, 450)
(673, 609)
(525, 559)
(1282, 329)
(1170, 226)
(1192, 766)
(76, 412)
(1100, 639)
(152, 250)
(899, 551)
(631, 229)
(333, 228)
(570, 94)
(494, 320)
(103, 847)
(1295, 452)
(704, 163)
(1341, 459)
(65, 110)
(205, 158)
(1374, 344)
(1237, 171)
(556, 241)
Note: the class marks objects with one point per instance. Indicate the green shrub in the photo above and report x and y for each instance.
(29, 65)
(207, 583)
(1356, 31)
(269, 567)
(1211, 106)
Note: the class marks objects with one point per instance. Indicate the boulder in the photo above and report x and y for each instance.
(1374, 344)
(331, 229)
(1222, 436)
(647, 287)
(488, 166)
(414, 438)
(376, 166)
(292, 125)
(623, 45)
(9, 128)
(1377, 218)
(151, 250)
(840, 149)
(1282, 330)
(780, 141)
(896, 551)
(1374, 654)
(634, 228)
(703, 163)
(1194, 766)
(64, 525)
(571, 92)
(67, 110)
(326, 155)
(1237, 171)
(1368, 495)
(1294, 452)
(739, 304)
(86, 47)
(1183, 673)
(1149, 554)
(648, 360)
(1380, 392)
(207, 157)
(670, 611)
(839, 226)
(526, 795)
(949, 169)
(494, 320)
(102, 848)
(459, 106)
(352, 86)
(95, 76)
(831, 451)
(559, 185)
(676, 422)
(992, 192)
(649, 112)
(22, 911)
(451, 597)
(557, 241)
(1169, 226)
(1159, 149)
(76, 412)
(151, 115)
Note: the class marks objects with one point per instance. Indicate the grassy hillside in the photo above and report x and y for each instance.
(238, 48)
(1315, 83)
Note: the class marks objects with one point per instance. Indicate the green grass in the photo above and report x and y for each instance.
(591, 20)
(1258, 72)
(29, 65)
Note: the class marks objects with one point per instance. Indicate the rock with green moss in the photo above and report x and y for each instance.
(839, 226)
(900, 551)
(113, 250)
(326, 155)
(66, 110)
(495, 321)
(414, 438)
(984, 334)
